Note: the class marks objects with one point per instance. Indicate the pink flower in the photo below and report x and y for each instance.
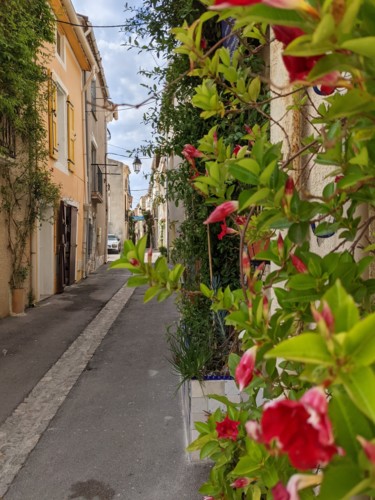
(296, 482)
(301, 429)
(134, 262)
(368, 448)
(236, 150)
(227, 429)
(298, 264)
(245, 368)
(191, 152)
(222, 211)
(225, 230)
(241, 482)
(240, 220)
(254, 430)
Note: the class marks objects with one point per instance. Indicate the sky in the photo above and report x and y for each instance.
(121, 68)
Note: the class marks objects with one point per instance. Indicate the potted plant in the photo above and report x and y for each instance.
(18, 278)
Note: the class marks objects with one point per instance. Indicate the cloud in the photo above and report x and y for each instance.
(121, 68)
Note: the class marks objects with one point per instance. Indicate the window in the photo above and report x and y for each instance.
(60, 46)
(61, 123)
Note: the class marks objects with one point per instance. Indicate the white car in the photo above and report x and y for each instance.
(113, 243)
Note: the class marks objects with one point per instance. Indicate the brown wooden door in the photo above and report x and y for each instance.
(61, 248)
(72, 244)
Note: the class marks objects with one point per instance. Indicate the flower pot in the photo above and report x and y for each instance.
(18, 300)
(197, 405)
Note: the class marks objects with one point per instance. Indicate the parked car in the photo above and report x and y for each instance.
(113, 243)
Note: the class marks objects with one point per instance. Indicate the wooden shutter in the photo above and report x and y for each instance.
(71, 135)
(52, 119)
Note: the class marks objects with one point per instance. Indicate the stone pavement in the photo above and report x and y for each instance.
(86, 386)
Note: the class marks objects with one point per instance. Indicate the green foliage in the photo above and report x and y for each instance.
(26, 186)
(316, 327)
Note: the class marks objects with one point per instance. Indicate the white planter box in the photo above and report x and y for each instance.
(197, 406)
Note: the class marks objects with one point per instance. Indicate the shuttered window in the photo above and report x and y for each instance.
(52, 119)
(71, 135)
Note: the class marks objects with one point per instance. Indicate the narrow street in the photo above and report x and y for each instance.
(90, 408)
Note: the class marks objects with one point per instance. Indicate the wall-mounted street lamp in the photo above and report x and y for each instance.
(137, 164)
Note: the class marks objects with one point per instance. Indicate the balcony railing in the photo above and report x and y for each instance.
(7, 138)
(97, 184)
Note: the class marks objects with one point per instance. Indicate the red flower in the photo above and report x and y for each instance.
(298, 264)
(236, 150)
(225, 230)
(134, 262)
(301, 429)
(222, 211)
(223, 4)
(191, 152)
(299, 67)
(245, 368)
(227, 429)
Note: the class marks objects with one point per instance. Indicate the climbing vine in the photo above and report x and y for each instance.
(26, 188)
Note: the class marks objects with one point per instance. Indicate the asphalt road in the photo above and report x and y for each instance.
(119, 432)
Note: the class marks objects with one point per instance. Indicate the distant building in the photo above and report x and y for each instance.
(119, 198)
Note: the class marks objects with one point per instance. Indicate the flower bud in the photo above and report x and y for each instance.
(368, 448)
(298, 264)
(280, 247)
(222, 211)
(241, 482)
(245, 368)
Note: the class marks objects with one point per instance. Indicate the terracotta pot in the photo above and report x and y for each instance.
(258, 246)
(18, 300)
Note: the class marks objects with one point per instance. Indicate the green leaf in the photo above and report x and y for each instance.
(137, 281)
(306, 347)
(254, 88)
(343, 307)
(209, 449)
(245, 170)
(141, 248)
(359, 342)
(360, 386)
(325, 29)
(302, 282)
(258, 196)
(264, 14)
(299, 232)
(202, 427)
(348, 422)
(354, 102)
(151, 293)
(339, 480)
(198, 443)
(365, 46)
(246, 465)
